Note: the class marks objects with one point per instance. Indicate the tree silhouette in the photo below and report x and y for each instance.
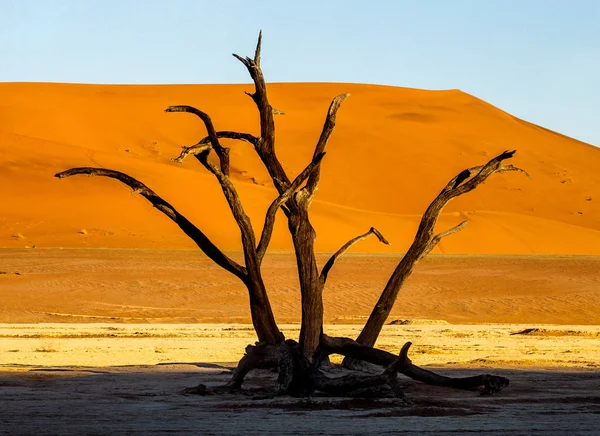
(299, 363)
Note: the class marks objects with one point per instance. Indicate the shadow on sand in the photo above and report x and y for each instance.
(147, 400)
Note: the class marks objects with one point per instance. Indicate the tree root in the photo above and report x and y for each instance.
(299, 377)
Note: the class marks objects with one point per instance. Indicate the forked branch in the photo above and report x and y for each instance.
(184, 224)
(201, 151)
(346, 246)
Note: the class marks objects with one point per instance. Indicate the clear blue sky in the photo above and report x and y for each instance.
(538, 59)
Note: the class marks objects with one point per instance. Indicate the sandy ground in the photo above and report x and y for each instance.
(128, 379)
(124, 330)
(391, 153)
(476, 345)
(103, 342)
(171, 286)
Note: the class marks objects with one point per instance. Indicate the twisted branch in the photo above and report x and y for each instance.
(213, 138)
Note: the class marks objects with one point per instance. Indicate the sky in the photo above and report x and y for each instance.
(537, 59)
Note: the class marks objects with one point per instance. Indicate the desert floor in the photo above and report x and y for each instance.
(128, 379)
(182, 286)
(104, 342)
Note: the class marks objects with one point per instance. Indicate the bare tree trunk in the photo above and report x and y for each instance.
(296, 208)
(303, 236)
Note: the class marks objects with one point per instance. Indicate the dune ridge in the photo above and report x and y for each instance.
(392, 151)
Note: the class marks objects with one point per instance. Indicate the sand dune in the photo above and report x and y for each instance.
(391, 152)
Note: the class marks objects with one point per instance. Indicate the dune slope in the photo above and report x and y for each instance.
(392, 151)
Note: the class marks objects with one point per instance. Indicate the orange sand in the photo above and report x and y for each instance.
(392, 151)
(184, 286)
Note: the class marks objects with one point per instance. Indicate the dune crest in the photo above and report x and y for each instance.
(391, 153)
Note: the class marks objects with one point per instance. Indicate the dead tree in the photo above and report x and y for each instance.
(299, 362)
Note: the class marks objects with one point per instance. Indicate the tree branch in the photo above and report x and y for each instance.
(265, 147)
(313, 181)
(194, 150)
(267, 231)
(352, 349)
(184, 224)
(424, 241)
(353, 384)
(204, 143)
(235, 204)
(258, 49)
(345, 247)
(201, 152)
(437, 238)
(222, 152)
(262, 315)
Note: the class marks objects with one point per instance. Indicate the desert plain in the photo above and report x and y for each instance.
(107, 312)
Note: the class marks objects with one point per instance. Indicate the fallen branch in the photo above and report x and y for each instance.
(280, 200)
(352, 349)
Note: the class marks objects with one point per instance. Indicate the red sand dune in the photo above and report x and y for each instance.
(392, 151)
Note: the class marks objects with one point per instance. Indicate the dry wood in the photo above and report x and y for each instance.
(280, 200)
(425, 239)
(204, 143)
(265, 146)
(213, 138)
(346, 246)
(184, 224)
(299, 377)
(303, 237)
(260, 308)
(313, 182)
(296, 207)
(354, 350)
